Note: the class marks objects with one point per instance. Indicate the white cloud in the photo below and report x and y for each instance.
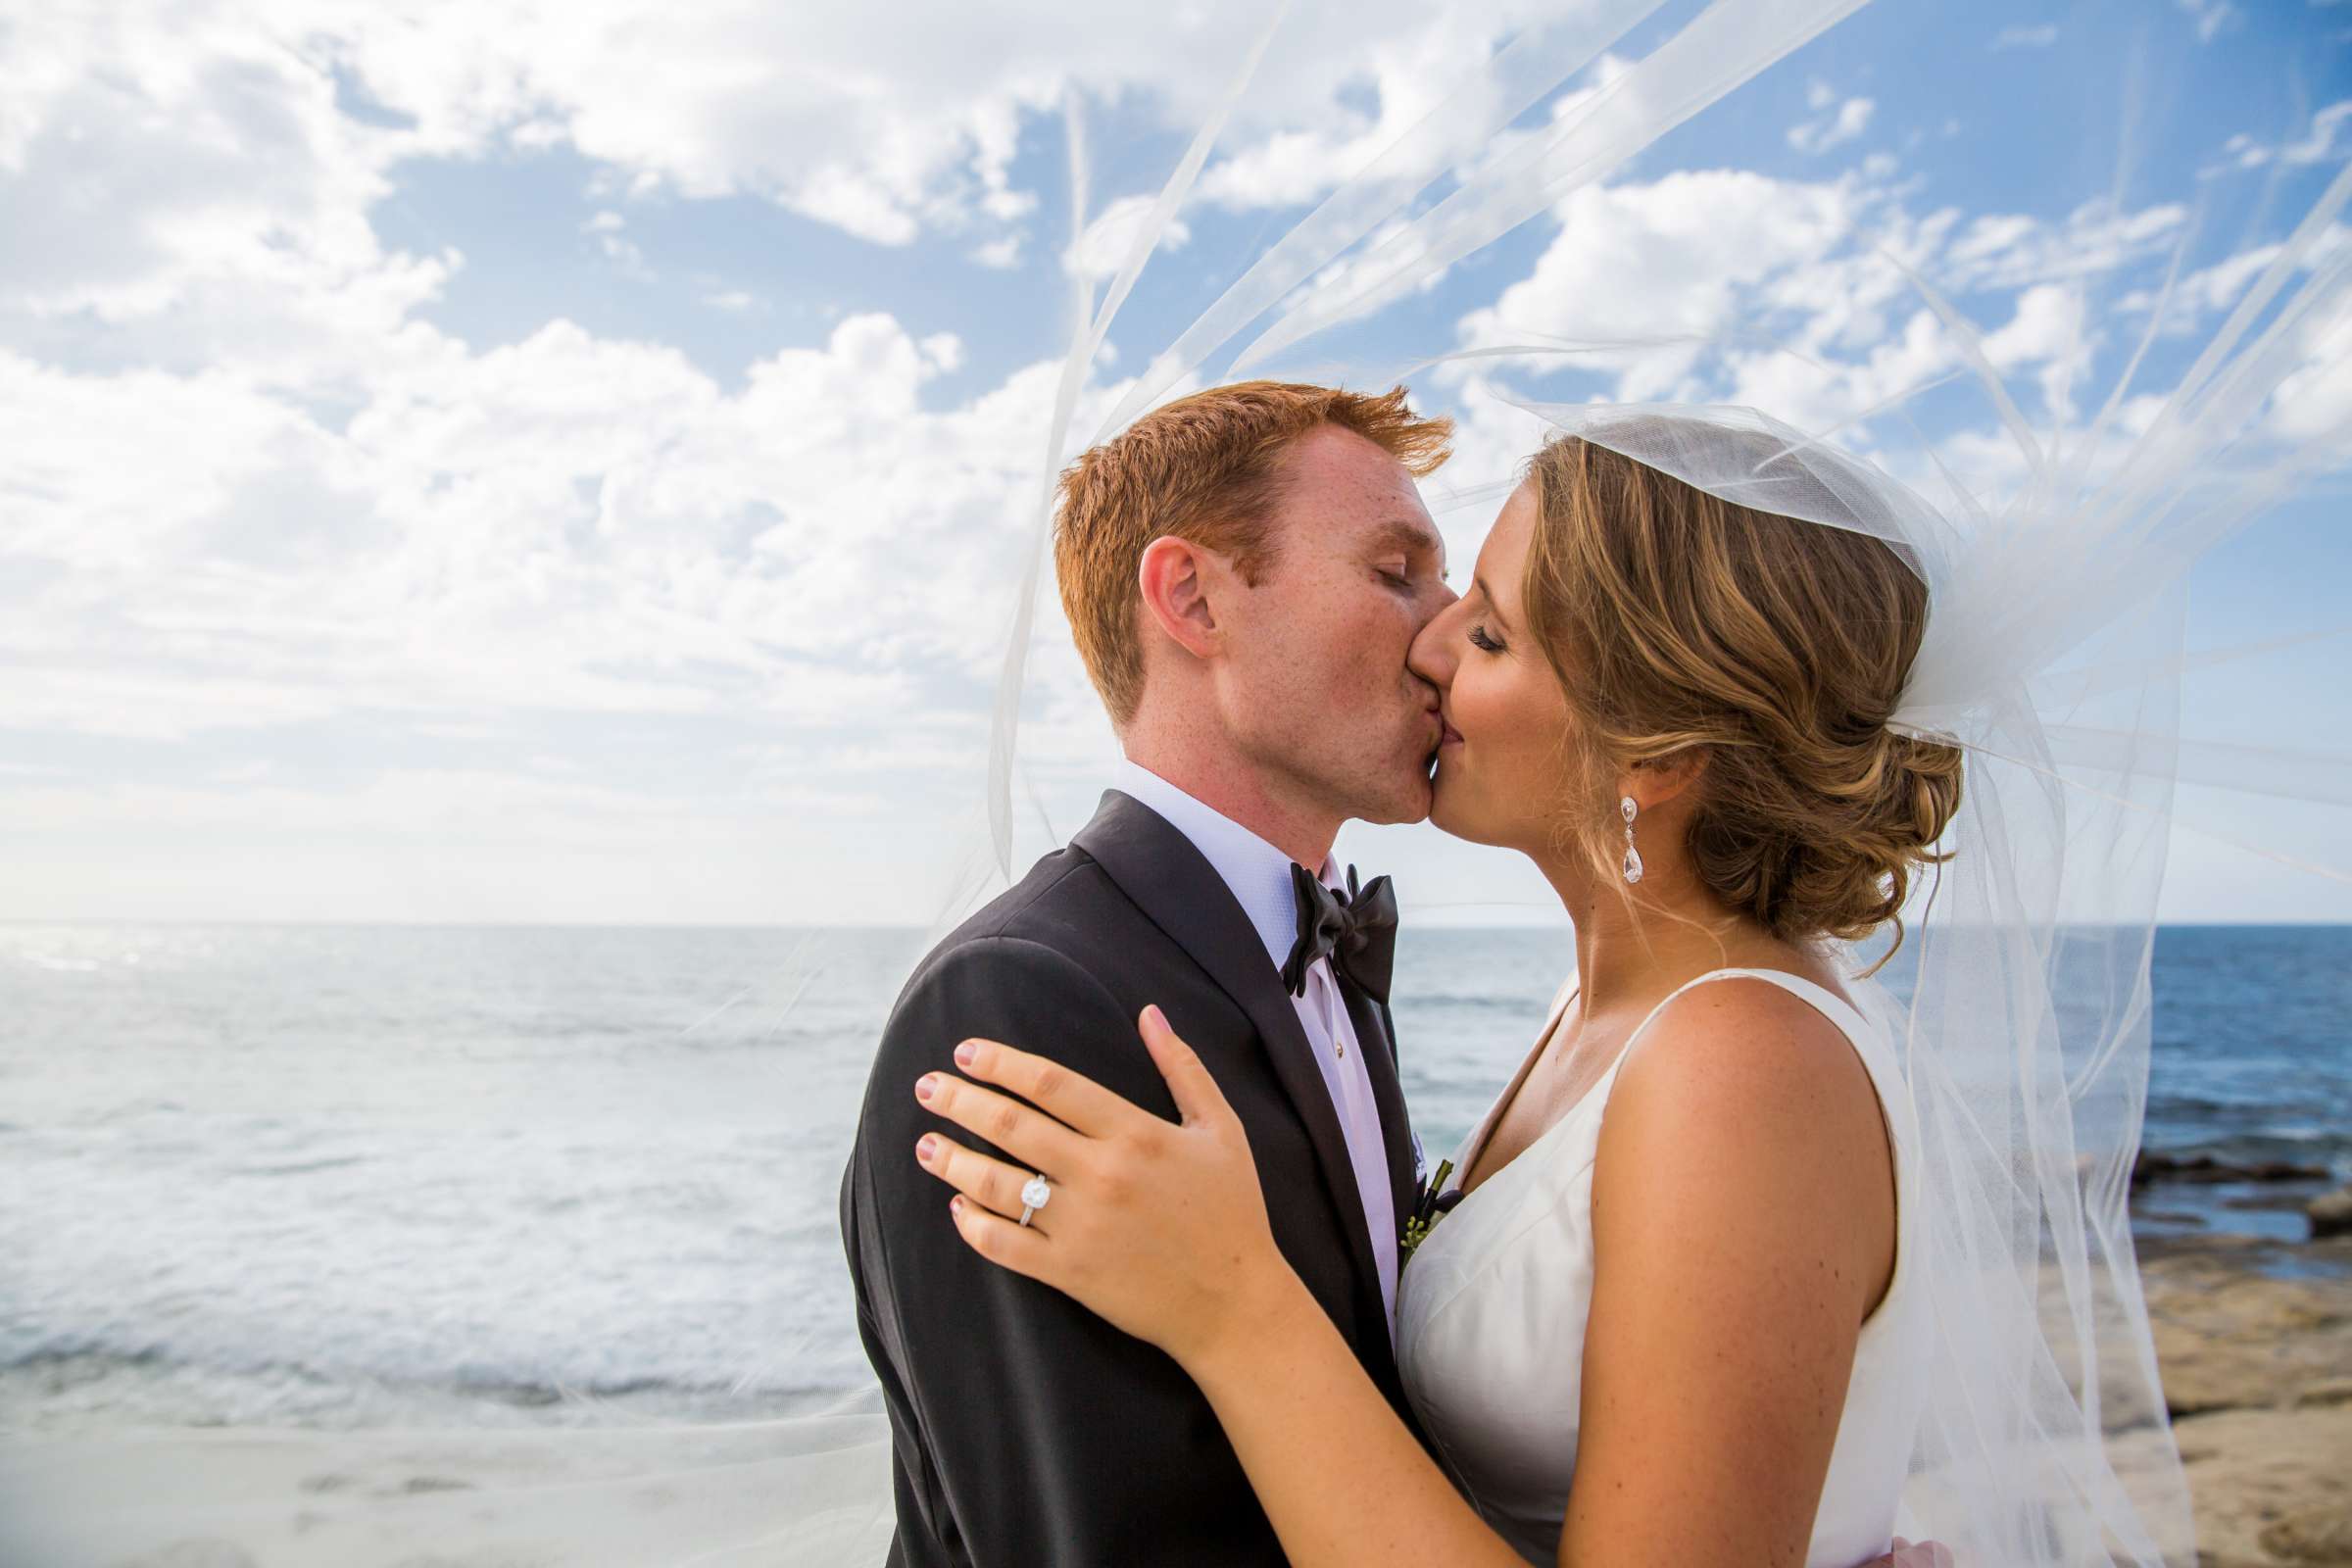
(1682, 255)
(2210, 16)
(1793, 291)
(215, 140)
(2314, 403)
(1835, 130)
(1396, 246)
(877, 132)
(2011, 250)
(2316, 144)
(2021, 37)
(198, 183)
(2202, 292)
(2048, 324)
(1406, 75)
(885, 130)
(1102, 250)
(2049, 331)
(2199, 293)
(606, 227)
(1001, 253)
(563, 525)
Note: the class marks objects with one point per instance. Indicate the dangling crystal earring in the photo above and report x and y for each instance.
(1633, 857)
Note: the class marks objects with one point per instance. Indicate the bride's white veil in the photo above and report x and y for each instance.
(2053, 656)
(2021, 1002)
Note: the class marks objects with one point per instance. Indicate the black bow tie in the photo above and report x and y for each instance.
(1356, 930)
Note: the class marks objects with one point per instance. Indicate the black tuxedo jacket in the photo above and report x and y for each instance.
(1027, 1432)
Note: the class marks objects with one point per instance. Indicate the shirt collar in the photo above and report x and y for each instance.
(1259, 873)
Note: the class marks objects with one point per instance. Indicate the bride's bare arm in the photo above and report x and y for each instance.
(1339, 1475)
(1742, 1229)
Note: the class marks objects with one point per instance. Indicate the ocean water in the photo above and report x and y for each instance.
(356, 1176)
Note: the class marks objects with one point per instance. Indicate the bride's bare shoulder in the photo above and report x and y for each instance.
(1751, 1066)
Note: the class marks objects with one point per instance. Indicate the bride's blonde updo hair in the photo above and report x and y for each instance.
(1675, 618)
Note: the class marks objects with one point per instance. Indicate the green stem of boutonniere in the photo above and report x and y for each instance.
(1426, 1213)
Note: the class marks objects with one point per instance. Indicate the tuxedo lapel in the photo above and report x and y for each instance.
(1376, 1035)
(1157, 868)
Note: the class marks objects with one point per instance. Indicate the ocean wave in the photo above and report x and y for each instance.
(60, 1391)
(68, 1363)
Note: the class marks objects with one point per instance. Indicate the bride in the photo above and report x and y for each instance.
(1667, 1312)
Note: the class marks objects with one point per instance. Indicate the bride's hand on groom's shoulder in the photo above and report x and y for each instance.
(1158, 1226)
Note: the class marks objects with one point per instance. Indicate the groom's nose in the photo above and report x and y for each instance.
(1443, 599)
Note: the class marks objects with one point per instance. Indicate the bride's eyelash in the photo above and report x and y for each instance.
(1479, 639)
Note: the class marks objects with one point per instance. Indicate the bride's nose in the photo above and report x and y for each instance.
(1433, 653)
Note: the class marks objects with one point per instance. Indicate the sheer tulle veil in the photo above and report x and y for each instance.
(2053, 658)
(2021, 1001)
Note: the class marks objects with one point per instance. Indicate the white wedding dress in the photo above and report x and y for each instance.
(1491, 1311)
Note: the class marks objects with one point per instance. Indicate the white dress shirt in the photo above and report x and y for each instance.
(1260, 875)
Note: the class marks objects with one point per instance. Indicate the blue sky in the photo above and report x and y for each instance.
(513, 465)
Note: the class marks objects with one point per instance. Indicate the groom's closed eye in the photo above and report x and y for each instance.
(1404, 550)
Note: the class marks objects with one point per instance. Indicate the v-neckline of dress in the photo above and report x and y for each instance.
(1484, 1132)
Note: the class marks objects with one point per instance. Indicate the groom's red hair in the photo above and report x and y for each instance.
(1207, 468)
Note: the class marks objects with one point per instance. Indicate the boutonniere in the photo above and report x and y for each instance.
(1430, 1205)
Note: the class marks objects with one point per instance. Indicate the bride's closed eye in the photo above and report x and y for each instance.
(1481, 639)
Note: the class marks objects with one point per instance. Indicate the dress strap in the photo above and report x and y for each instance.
(1836, 1008)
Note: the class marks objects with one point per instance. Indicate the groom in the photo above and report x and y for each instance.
(1244, 572)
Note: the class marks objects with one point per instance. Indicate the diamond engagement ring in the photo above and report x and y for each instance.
(1034, 1197)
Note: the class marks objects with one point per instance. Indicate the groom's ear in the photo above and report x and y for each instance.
(1176, 577)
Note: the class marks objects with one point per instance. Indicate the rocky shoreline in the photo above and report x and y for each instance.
(2254, 1344)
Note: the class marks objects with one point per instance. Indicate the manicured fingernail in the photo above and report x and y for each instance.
(965, 1053)
(955, 1206)
(926, 1148)
(923, 1086)
(1159, 1019)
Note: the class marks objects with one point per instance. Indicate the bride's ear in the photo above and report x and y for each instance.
(1663, 779)
(1175, 577)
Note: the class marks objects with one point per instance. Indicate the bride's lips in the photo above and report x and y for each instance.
(1447, 735)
